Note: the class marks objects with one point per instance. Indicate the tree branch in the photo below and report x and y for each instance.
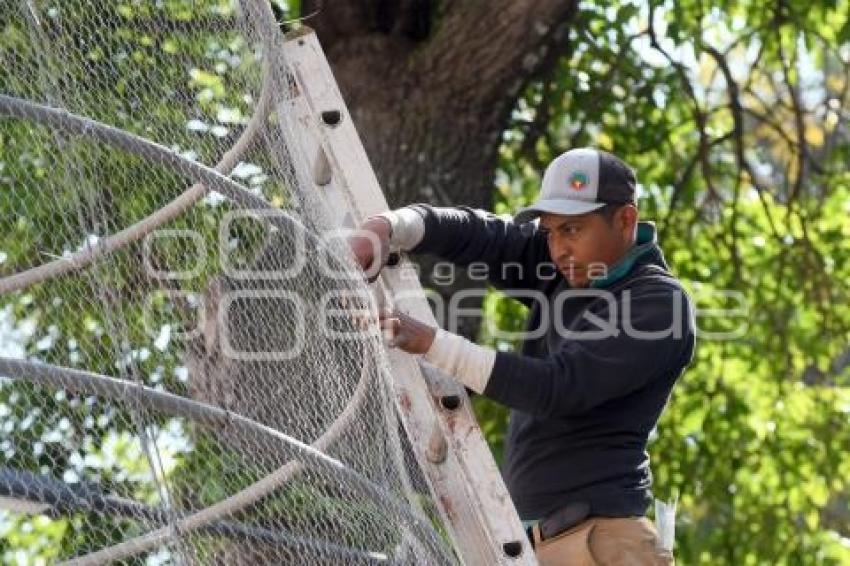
(738, 133)
(699, 115)
(799, 124)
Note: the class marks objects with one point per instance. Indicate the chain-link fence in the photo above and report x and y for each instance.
(187, 375)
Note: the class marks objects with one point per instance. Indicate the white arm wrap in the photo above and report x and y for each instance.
(466, 361)
(408, 228)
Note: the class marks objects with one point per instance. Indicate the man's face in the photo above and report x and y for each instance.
(583, 247)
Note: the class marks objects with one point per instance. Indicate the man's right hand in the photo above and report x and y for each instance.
(370, 245)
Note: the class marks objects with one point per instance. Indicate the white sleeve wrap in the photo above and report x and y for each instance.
(466, 361)
(408, 228)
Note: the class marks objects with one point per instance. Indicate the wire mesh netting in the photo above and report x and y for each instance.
(186, 374)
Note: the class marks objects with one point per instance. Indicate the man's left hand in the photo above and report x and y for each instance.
(407, 333)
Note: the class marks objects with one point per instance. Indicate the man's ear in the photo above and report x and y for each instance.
(627, 218)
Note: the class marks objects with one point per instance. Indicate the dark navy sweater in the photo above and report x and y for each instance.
(585, 395)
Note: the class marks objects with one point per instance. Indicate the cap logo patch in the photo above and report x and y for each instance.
(578, 180)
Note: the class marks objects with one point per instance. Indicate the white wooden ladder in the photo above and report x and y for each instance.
(436, 412)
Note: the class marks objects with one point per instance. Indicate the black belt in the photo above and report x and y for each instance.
(561, 520)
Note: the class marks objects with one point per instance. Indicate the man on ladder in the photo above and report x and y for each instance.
(609, 332)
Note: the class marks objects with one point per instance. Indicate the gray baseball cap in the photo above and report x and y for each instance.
(580, 181)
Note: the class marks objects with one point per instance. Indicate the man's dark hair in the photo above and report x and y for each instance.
(609, 210)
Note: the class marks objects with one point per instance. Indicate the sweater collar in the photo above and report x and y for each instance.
(645, 243)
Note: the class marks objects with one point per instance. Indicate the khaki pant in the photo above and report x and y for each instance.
(604, 541)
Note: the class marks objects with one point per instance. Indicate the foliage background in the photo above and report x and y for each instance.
(735, 115)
